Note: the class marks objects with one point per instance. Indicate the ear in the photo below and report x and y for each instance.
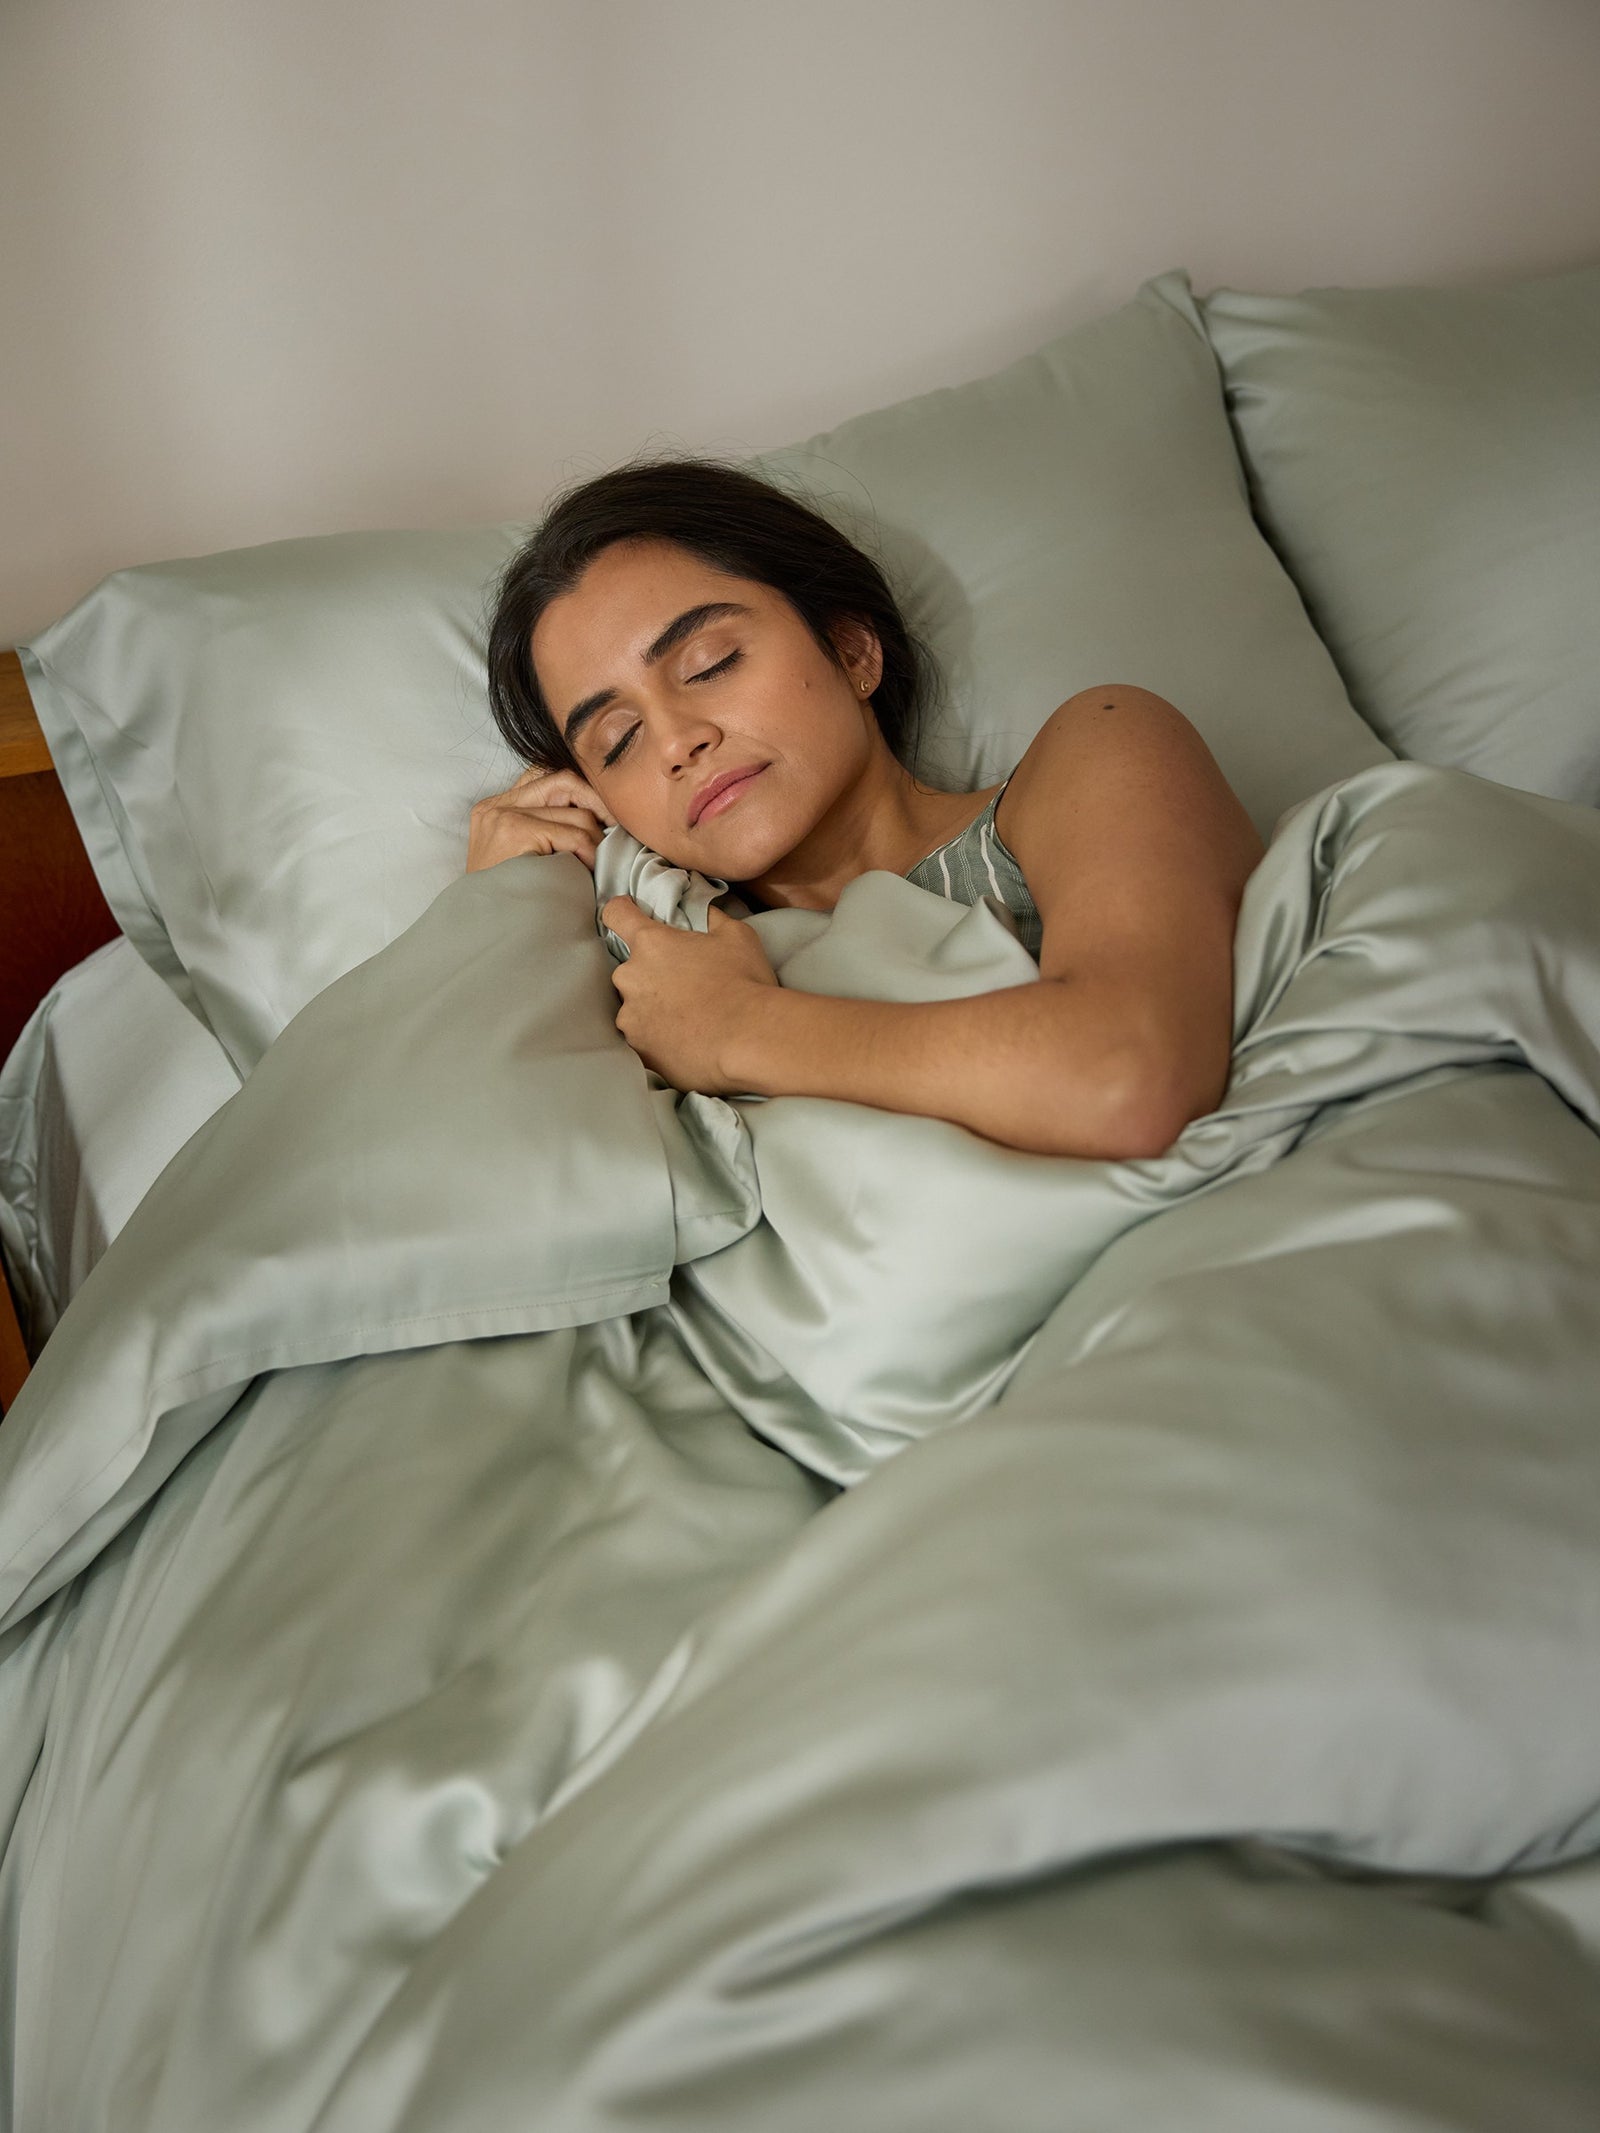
(856, 642)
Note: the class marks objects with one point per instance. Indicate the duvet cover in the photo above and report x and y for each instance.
(535, 1600)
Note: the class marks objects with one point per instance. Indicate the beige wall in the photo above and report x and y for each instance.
(282, 266)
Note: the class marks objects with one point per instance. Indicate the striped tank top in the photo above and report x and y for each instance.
(977, 864)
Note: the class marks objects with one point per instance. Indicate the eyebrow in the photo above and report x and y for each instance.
(671, 637)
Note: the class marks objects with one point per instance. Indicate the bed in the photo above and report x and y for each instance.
(110, 1080)
(527, 1597)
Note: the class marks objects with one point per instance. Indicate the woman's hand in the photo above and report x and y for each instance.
(545, 811)
(686, 997)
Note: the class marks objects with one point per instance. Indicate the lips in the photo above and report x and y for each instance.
(719, 785)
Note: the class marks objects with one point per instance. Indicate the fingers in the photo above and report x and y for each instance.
(583, 841)
(583, 818)
(542, 812)
(624, 918)
(557, 788)
(540, 799)
(624, 914)
(507, 833)
(500, 818)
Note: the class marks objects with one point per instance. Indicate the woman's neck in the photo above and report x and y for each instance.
(888, 820)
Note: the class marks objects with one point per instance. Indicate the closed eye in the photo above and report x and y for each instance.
(721, 666)
(705, 674)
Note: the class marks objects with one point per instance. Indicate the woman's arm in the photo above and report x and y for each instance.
(1136, 851)
(1038, 1067)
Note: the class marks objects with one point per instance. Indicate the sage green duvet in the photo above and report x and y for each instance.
(534, 1601)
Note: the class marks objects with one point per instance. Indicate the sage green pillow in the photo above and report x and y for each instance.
(1427, 463)
(273, 752)
(1081, 517)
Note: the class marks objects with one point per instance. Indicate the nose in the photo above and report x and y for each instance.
(689, 734)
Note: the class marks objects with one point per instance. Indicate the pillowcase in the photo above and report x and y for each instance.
(1427, 463)
(272, 752)
(1081, 517)
(106, 1082)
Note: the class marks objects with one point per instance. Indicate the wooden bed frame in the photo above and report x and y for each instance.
(51, 910)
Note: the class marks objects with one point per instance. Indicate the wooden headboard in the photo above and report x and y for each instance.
(51, 910)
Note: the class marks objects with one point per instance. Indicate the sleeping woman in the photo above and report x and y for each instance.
(685, 650)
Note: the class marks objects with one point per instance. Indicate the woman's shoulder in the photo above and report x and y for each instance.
(1113, 724)
(1118, 764)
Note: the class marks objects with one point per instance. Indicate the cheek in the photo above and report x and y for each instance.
(655, 818)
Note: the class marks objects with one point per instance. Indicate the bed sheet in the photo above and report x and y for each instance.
(437, 1640)
(105, 1084)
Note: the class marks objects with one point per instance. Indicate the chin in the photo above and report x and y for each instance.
(742, 861)
(737, 850)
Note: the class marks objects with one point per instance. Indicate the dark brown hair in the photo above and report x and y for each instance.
(733, 521)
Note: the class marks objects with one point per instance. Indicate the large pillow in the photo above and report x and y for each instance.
(1081, 517)
(273, 752)
(1427, 463)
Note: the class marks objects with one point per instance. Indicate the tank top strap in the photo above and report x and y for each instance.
(973, 830)
(978, 863)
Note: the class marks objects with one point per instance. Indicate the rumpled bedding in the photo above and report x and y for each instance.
(534, 1599)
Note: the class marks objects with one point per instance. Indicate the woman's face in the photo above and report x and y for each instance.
(666, 674)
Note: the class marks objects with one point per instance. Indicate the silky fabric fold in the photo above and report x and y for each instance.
(535, 1599)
